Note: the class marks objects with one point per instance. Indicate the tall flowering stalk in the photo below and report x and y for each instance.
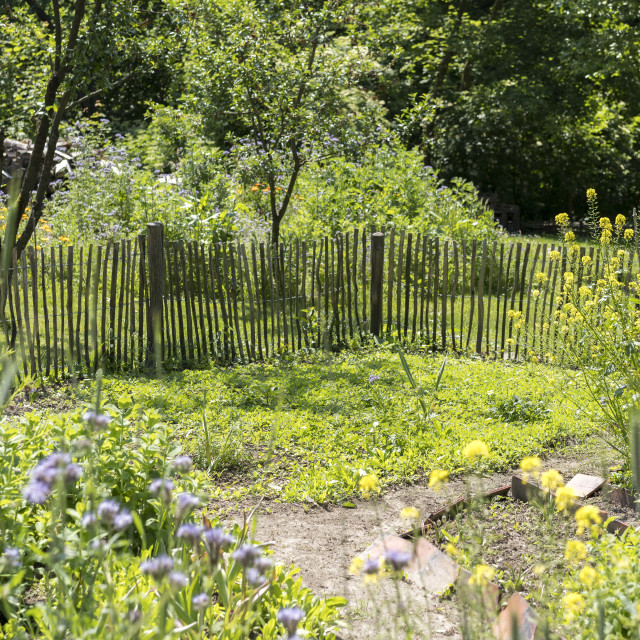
(598, 317)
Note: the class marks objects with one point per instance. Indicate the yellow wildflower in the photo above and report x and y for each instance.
(605, 238)
(535, 293)
(534, 359)
(481, 575)
(605, 223)
(541, 277)
(565, 497)
(568, 278)
(475, 449)
(255, 188)
(551, 480)
(628, 234)
(588, 517)
(591, 194)
(356, 565)
(586, 261)
(510, 342)
(409, 513)
(573, 604)
(452, 550)
(588, 576)
(620, 221)
(369, 484)
(554, 255)
(437, 478)
(530, 466)
(569, 236)
(562, 219)
(575, 551)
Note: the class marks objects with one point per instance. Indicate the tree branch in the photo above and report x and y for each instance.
(58, 34)
(40, 12)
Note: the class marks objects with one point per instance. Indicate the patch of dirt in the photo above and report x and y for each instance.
(322, 541)
(511, 536)
(59, 398)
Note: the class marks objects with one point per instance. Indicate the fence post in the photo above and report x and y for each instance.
(155, 266)
(377, 263)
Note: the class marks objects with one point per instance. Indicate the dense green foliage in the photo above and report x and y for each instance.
(531, 100)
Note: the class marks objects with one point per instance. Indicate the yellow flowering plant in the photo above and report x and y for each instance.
(599, 321)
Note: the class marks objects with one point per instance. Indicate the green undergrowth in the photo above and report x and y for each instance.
(307, 428)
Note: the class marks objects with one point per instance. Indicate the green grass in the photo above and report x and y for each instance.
(307, 428)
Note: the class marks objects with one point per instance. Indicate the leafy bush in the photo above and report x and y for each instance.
(100, 537)
(392, 187)
(114, 193)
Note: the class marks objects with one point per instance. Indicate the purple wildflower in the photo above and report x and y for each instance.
(108, 510)
(373, 378)
(12, 557)
(254, 577)
(246, 555)
(215, 540)
(200, 601)
(290, 618)
(122, 520)
(157, 567)
(36, 492)
(397, 560)
(371, 566)
(182, 464)
(190, 533)
(178, 580)
(161, 488)
(186, 502)
(89, 519)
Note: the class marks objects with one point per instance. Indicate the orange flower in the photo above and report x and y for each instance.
(255, 187)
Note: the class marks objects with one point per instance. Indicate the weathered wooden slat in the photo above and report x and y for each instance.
(142, 294)
(506, 299)
(521, 290)
(483, 268)
(264, 293)
(33, 264)
(252, 314)
(364, 278)
(423, 287)
(16, 296)
(243, 311)
(234, 299)
(257, 289)
(204, 270)
(191, 353)
(407, 284)
(127, 304)
(45, 312)
(499, 288)
(219, 345)
(27, 314)
(190, 287)
(492, 260)
(391, 263)
(472, 290)
(201, 312)
(436, 287)
(463, 247)
(348, 272)
(297, 296)
(354, 280)
(104, 338)
(63, 337)
(79, 310)
(94, 311)
(516, 281)
(529, 286)
(399, 273)
(226, 332)
(445, 287)
(416, 286)
(54, 310)
(454, 288)
(113, 292)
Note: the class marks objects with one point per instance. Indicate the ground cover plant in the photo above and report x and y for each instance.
(103, 535)
(309, 426)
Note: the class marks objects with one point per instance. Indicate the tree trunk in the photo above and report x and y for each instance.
(275, 229)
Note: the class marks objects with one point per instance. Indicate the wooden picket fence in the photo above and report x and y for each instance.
(133, 304)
